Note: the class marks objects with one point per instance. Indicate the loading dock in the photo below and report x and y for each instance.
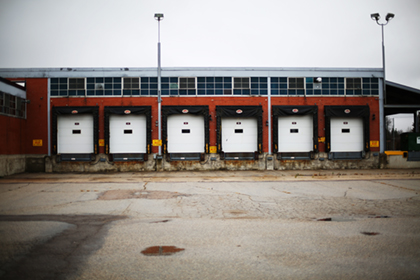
(239, 132)
(185, 134)
(185, 131)
(295, 131)
(75, 133)
(239, 135)
(128, 132)
(347, 131)
(346, 134)
(206, 86)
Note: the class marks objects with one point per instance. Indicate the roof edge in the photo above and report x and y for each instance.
(10, 83)
(403, 87)
(106, 69)
(135, 71)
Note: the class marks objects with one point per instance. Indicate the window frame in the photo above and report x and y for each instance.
(6, 102)
(2, 101)
(131, 83)
(241, 83)
(12, 105)
(296, 83)
(352, 83)
(188, 83)
(77, 88)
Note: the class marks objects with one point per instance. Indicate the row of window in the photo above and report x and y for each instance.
(12, 105)
(175, 86)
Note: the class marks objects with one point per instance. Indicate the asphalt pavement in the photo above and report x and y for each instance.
(335, 224)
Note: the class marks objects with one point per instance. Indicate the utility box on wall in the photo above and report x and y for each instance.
(410, 141)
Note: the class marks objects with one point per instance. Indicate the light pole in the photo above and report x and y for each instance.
(159, 17)
(382, 94)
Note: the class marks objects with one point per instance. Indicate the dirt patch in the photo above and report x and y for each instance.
(138, 194)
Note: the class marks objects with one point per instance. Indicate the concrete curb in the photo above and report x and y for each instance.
(206, 176)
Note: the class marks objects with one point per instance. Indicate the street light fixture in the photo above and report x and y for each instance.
(159, 17)
(389, 16)
(375, 16)
(382, 95)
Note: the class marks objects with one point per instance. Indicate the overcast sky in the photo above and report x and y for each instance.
(257, 33)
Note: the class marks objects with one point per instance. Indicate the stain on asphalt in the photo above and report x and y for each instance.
(133, 194)
(161, 221)
(237, 212)
(324, 220)
(62, 254)
(161, 250)
(369, 233)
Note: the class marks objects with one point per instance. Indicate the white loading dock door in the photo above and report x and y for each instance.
(346, 134)
(186, 133)
(75, 134)
(239, 135)
(295, 133)
(127, 134)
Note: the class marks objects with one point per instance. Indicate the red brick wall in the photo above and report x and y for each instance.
(12, 135)
(212, 102)
(37, 110)
(18, 135)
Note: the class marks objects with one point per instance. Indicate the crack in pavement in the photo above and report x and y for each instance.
(395, 186)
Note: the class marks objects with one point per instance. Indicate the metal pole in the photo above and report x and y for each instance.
(269, 114)
(382, 93)
(49, 117)
(393, 134)
(383, 60)
(159, 92)
(382, 96)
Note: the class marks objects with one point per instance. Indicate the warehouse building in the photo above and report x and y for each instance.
(107, 119)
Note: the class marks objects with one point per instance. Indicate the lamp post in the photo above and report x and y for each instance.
(159, 17)
(382, 95)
